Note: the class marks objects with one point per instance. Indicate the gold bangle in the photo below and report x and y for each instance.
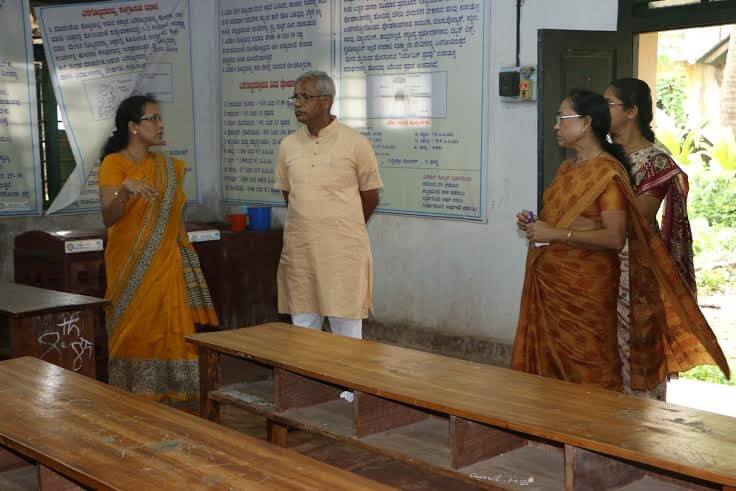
(569, 235)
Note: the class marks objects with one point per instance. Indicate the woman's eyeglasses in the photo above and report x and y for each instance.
(154, 118)
(560, 117)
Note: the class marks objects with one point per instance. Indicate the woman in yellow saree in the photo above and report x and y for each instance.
(567, 323)
(154, 280)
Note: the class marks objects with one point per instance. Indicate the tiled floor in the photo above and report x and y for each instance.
(349, 457)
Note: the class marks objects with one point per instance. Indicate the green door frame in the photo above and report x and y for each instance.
(637, 16)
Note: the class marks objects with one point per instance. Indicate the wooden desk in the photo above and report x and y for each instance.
(54, 326)
(471, 421)
(82, 430)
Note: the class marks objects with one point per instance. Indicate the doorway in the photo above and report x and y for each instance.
(692, 73)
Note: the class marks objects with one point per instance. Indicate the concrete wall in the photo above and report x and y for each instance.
(437, 282)
(464, 278)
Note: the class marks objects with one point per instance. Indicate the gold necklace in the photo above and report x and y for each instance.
(639, 147)
(580, 161)
(133, 158)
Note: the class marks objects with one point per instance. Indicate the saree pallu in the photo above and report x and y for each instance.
(567, 323)
(157, 291)
(653, 171)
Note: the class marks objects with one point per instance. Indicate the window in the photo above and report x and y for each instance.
(57, 160)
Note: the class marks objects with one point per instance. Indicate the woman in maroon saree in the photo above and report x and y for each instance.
(657, 180)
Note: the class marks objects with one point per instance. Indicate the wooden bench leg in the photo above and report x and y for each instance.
(472, 442)
(569, 467)
(49, 480)
(373, 414)
(10, 460)
(209, 380)
(277, 434)
(294, 390)
(585, 469)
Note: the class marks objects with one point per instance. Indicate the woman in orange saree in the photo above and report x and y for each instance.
(156, 286)
(567, 323)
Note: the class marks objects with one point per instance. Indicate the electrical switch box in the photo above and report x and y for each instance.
(508, 84)
(517, 84)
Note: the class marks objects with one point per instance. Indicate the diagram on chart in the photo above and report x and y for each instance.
(407, 95)
(105, 94)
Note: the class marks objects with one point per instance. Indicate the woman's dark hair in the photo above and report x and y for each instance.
(636, 93)
(587, 103)
(131, 109)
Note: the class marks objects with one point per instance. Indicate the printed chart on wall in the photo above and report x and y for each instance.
(99, 54)
(264, 46)
(411, 77)
(20, 168)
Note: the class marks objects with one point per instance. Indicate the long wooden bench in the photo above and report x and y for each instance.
(475, 422)
(75, 431)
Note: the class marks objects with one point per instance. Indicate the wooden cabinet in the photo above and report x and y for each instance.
(240, 269)
(69, 261)
(54, 326)
(65, 260)
(247, 286)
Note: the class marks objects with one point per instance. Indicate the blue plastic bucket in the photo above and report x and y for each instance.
(259, 218)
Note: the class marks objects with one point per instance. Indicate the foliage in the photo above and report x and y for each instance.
(713, 197)
(713, 245)
(709, 156)
(707, 373)
(671, 97)
(707, 153)
(719, 147)
(713, 221)
(716, 281)
(683, 146)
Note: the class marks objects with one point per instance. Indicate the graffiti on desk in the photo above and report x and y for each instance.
(62, 332)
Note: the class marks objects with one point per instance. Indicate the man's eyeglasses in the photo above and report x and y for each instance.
(154, 118)
(305, 98)
(613, 103)
(560, 117)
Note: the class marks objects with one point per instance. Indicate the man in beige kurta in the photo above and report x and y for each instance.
(329, 176)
